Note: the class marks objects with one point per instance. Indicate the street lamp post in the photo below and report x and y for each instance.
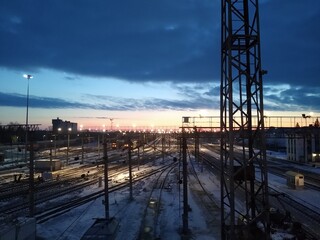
(51, 155)
(31, 170)
(69, 130)
(59, 131)
(55, 145)
(27, 76)
(82, 148)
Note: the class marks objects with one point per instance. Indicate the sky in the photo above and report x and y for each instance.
(145, 63)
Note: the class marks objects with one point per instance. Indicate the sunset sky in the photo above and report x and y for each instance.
(145, 63)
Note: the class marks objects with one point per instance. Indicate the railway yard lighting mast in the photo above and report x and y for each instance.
(68, 145)
(106, 179)
(31, 169)
(28, 77)
(242, 124)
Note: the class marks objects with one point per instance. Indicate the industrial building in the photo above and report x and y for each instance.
(303, 145)
(60, 126)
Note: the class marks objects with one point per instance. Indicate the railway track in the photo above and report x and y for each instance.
(308, 217)
(150, 228)
(67, 176)
(295, 211)
(205, 197)
(59, 189)
(64, 207)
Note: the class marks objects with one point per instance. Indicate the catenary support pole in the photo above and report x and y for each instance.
(106, 186)
(185, 184)
(130, 169)
(31, 181)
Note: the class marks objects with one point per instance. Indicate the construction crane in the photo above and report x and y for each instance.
(111, 120)
(243, 172)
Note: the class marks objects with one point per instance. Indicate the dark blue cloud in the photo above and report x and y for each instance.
(290, 38)
(160, 40)
(19, 100)
(132, 40)
(193, 97)
(290, 98)
(110, 103)
(159, 104)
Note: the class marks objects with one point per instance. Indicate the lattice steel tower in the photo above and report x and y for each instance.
(244, 183)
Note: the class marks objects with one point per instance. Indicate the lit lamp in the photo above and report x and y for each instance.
(27, 76)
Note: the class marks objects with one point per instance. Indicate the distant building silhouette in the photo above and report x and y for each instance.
(303, 144)
(60, 126)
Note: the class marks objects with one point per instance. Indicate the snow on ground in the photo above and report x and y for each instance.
(74, 224)
(308, 197)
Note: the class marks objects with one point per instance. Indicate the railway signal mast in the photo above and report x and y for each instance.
(244, 183)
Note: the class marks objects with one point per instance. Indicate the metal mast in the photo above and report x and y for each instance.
(244, 183)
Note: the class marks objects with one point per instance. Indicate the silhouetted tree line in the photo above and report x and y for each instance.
(16, 134)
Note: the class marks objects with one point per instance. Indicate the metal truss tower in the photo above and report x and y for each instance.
(244, 183)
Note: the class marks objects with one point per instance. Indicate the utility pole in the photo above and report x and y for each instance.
(143, 143)
(31, 181)
(106, 180)
(68, 145)
(130, 169)
(196, 144)
(27, 76)
(98, 145)
(82, 150)
(55, 145)
(242, 124)
(138, 157)
(51, 157)
(162, 145)
(197, 148)
(185, 228)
